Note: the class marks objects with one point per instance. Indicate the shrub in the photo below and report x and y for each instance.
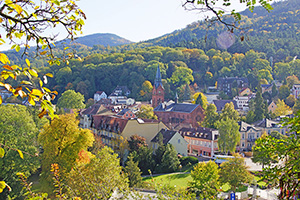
(184, 161)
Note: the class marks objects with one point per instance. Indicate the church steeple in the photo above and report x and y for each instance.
(176, 98)
(157, 81)
(158, 92)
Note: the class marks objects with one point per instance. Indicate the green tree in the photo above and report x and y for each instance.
(291, 100)
(62, 140)
(296, 107)
(250, 117)
(71, 100)
(146, 112)
(283, 92)
(182, 76)
(133, 172)
(235, 172)
(18, 143)
(259, 106)
(282, 108)
(229, 135)
(260, 157)
(229, 112)
(99, 178)
(285, 175)
(205, 181)
(144, 156)
(200, 98)
(170, 161)
(274, 90)
(211, 116)
(291, 80)
(187, 93)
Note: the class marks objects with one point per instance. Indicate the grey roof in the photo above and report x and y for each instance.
(176, 107)
(231, 79)
(199, 132)
(245, 127)
(92, 110)
(266, 85)
(220, 104)
(157, 81)
(167, 135)
(266, 123)
(122, 112)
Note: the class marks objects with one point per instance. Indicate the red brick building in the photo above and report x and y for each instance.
(158, 92)
(171, 113)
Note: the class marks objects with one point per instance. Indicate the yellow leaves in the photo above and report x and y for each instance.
(3, 58)
(2, 186)
(20, 154)
(27, 62)
(17, 8)
(31, 101)
(49, 75)
(32, 72)
(0, 100)
(37, 92)
(2, 152)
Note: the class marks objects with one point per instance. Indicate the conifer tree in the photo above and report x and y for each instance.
(133, 172)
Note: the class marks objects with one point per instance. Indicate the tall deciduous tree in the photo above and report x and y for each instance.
(286, 149)
(136, 142)
(229, 112)
(146, 112)
(18, 131)
(182, 76)
(229, 135)
(211, 116)
(205, 180)
(62, 141)
(259, 156)
(200, 98)
(282, 108)
(99, 178)
(71, 100)
(235, 172)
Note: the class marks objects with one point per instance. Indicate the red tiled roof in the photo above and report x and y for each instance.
(109, 123)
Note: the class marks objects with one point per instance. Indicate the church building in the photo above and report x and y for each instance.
(173, 114)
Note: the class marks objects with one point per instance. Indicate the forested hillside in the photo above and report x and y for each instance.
(267, 53)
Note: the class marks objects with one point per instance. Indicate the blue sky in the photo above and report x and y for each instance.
(136, 20)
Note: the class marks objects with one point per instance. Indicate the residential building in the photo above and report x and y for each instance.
(245, 92)
(201, 141)
(126, 114)
(86, 114)
(268, 126)
(171, 137)
(121, 91)
(266, 88)
(243, 102)
(226, 84)
(249, 133)
(111, 128)
(99, 95)
(272, 106)
(220, 104)
(296, 90)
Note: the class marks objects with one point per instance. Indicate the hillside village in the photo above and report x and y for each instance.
(193, 114)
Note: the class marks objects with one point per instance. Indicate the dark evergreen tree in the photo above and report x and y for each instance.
(259, 106)
(133, 172)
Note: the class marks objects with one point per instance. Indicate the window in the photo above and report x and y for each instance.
(178, 141)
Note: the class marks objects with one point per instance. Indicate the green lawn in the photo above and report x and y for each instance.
(181, 180)
(178, 180)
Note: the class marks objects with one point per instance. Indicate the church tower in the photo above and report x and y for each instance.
(158, 92)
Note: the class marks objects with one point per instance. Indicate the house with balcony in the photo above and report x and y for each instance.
(201, 141)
